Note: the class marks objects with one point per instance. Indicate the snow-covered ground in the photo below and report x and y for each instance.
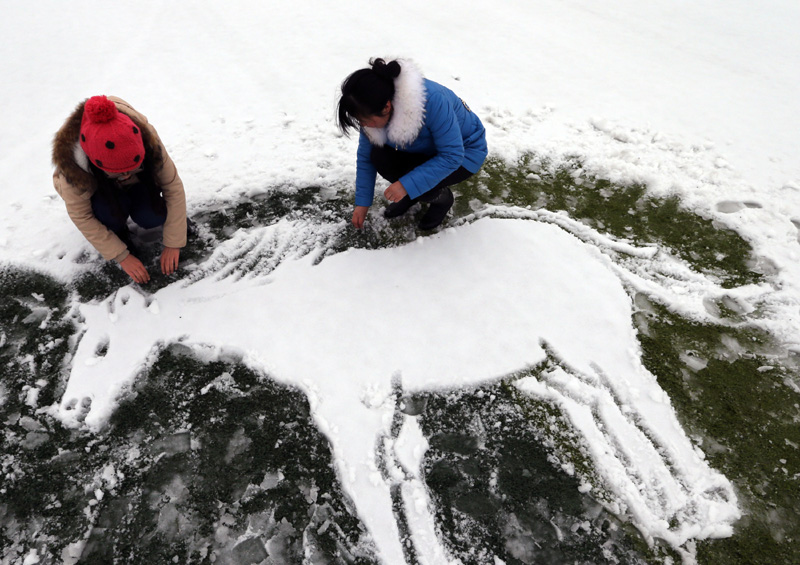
(699, 100)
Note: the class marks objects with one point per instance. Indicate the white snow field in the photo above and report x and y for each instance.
(699, 100)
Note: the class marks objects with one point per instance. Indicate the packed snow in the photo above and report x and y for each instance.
(699, 100)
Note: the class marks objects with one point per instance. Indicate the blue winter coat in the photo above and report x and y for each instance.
(450, 132)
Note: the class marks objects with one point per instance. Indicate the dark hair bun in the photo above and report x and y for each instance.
(390, 70)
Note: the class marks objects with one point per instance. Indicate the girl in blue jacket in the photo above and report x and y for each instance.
(415, 133)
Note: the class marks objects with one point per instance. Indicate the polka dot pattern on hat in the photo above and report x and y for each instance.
(110, 138)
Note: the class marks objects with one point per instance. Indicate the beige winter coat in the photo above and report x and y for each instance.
(76, 185)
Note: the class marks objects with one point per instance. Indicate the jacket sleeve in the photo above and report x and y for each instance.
(175, 197)
(366, 174)
(442, 121)
(169, 181)
(79, 209)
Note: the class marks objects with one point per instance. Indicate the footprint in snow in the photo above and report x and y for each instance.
(731, 206)
(81, 407)
(796, 222)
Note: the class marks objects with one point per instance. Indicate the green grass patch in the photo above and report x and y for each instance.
(502, 486)
(623, 211)
(194, 455)
(205, 450)
(744, 413)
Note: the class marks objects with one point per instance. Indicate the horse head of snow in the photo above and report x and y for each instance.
(469, 305)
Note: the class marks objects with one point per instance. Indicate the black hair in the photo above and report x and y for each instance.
(366, 92)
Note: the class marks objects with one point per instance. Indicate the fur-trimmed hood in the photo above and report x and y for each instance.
(71, 161)
(75, 183)
(408, 108)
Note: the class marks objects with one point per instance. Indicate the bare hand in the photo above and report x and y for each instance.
(169, 260)
(135, 269)
(395, 192)
(359, 215)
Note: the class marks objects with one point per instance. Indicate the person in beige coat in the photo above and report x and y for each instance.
(110, 165)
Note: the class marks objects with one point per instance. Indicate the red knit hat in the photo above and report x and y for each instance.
(110, 138)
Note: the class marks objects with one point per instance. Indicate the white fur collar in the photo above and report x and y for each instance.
(80, 156)
(408, 105)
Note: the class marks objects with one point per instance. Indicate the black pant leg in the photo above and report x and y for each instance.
(455, 177)
(148, 207)
(112, 209)
(392, 164)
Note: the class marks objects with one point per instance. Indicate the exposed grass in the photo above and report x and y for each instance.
(500, 487)
(183, 470)
(623, 211)
(491, 489)
(37, 481)
(225, 431)
(746, 415)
